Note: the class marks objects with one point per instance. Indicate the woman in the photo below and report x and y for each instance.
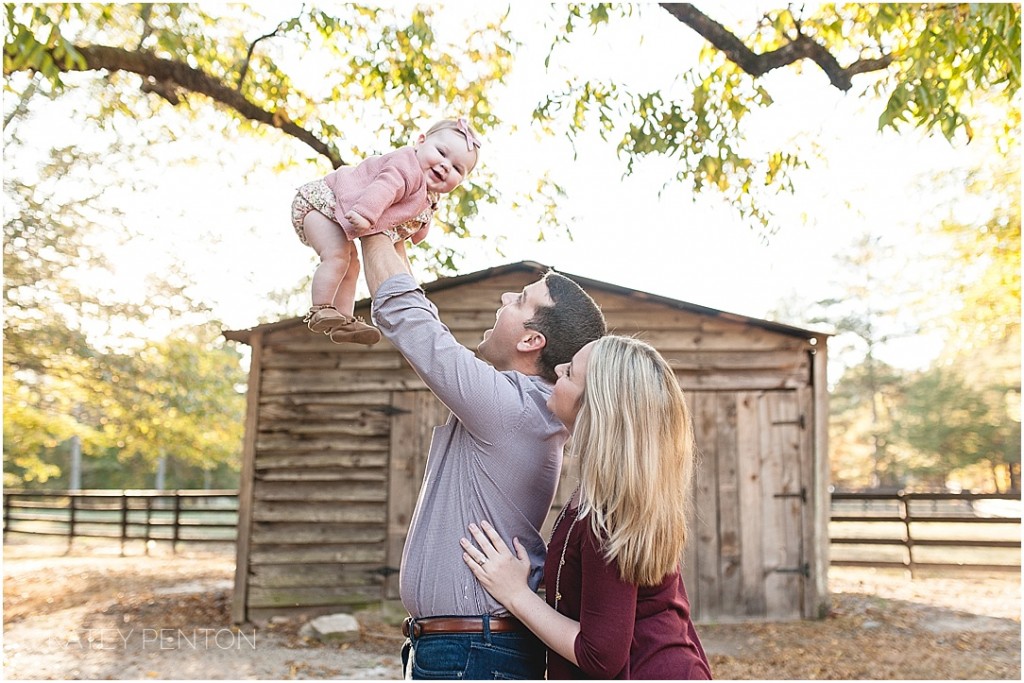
(616, 606)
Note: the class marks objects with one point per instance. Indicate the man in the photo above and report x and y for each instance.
(497, 458)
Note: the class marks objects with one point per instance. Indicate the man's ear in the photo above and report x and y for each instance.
(531, 341)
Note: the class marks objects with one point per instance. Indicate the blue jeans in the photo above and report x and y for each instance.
(474, 656)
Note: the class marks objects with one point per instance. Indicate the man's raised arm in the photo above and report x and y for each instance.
(380, 261)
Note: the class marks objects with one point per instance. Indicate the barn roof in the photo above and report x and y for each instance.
(585, 282)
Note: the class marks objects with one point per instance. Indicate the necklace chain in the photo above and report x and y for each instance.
(565, 546)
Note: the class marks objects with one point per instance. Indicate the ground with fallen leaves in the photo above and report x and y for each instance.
(92, 614)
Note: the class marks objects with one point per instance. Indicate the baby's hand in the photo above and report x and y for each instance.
(357, 221)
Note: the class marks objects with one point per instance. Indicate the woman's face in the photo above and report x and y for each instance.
(572, 377)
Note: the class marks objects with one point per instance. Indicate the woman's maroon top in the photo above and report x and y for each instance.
(626, 631)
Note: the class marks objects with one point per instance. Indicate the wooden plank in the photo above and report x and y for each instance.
(347, 452)
(330, 385)
(338, 596)
(311, 575)
(782, 533)
(245, 488)
(302, 429)
(650, 317)
(406, 436)
(817, 596)
(787, 360)
(323, 474)
(730, 520)
(805, 407)
(300, 333)
(328, 361)
(362, 399)
(320, 463)
(774, 544)
(304, 554)
(748, 443)
(705, 418)
(320, 460)
(282, 342)
(795, 430)
(691, 552)
(273, 414)
(298, 533)
(341, 378)
(721, 340)
(315, 381)
(354, 513)
(336, 492)
(740, 381)
(410, 443)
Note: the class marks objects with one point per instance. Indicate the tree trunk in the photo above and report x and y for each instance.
(75, 482)
(161, 472)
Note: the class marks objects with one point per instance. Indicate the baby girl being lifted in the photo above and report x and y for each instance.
(395, 194)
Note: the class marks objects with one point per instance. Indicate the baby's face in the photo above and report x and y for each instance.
(445, 160)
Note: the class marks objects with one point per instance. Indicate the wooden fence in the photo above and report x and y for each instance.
(178, 516)
(926, 530)
(908, 530)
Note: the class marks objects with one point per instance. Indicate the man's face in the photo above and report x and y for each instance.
(498, 346)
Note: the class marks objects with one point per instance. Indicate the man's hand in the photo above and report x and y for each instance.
(380, 260)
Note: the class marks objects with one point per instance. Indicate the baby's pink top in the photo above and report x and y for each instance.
(386, 190)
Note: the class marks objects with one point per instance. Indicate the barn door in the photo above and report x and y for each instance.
(414, 414)
(746, 554)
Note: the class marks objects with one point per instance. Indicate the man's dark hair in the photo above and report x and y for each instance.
(571, 323)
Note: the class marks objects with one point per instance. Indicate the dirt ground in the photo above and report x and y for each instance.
(92, 614)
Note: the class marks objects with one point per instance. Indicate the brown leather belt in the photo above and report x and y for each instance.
(428, 625)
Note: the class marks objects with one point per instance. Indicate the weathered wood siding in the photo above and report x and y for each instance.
(317, 540)
(337, 438)
(747, 389)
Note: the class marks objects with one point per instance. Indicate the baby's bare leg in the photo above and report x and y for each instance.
(335, 250)
(345, 298)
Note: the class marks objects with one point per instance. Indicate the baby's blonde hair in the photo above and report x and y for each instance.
(634, 440)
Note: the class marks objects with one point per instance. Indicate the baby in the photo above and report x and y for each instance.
(395, 194)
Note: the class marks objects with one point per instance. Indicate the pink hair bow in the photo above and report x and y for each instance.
(471, 139)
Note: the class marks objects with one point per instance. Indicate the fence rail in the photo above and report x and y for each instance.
(194, 516)
(926, 530)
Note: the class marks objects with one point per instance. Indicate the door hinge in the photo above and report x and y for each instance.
(804, 570)
(802, 495)
(800, 421)
(390, 411)
(383, 571)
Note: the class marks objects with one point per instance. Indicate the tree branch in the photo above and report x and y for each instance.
(248, 56)
(164, 76)
(756, 65)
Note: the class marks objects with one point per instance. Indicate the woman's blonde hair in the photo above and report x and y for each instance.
(634, 440)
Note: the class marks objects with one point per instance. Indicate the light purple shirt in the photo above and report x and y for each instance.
(497, 458)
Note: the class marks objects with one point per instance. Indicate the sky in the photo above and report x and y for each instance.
(233, 237)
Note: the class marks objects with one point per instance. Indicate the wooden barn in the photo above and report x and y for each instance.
(336, 437)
